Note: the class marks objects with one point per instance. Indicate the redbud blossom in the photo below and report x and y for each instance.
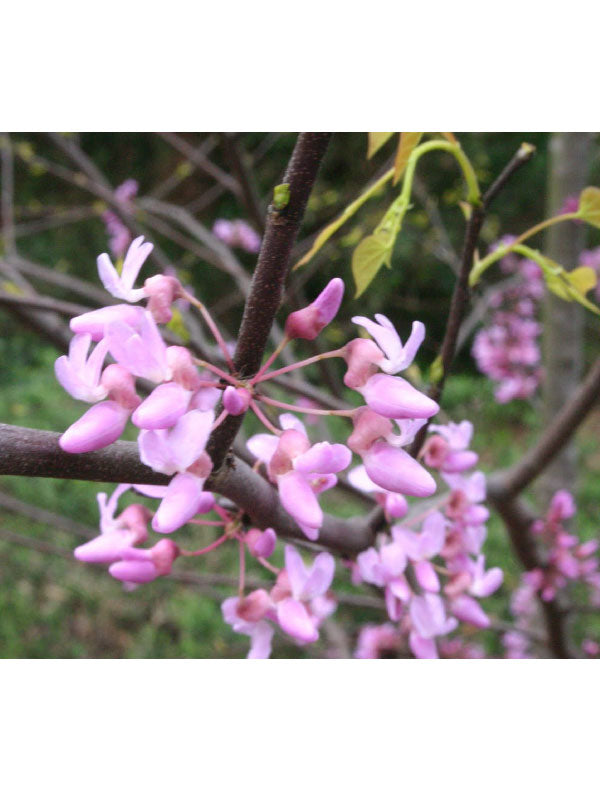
(308, 322)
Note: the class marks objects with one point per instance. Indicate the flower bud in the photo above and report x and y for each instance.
(308, 322)
(236, 400)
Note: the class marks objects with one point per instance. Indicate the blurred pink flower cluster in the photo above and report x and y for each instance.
(567, 564)
(119, 235)
(431, 568)
(507, 350)
(237, 233)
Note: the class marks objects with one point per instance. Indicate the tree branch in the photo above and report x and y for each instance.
(24, 451)
(270, 273)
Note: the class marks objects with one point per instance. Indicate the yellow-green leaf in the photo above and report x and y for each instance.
(368, 258)
(583, 279)
(376, 141)
(348, 212)
(589, 205)
(408, 142)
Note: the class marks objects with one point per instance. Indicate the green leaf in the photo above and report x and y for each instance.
(583, 279)
(408, 142)
(589, 206)
(376, 141)
(348, 212)
(371, 254)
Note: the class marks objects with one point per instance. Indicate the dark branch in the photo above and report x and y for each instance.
(24, 451)
(270, 273)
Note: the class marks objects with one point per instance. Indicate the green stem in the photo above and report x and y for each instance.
(481, 266)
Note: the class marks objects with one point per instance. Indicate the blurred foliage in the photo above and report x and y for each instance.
(52, 607)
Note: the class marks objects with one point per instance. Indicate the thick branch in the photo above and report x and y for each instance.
(24, 451)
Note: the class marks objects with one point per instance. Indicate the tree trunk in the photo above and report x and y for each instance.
(563, 322)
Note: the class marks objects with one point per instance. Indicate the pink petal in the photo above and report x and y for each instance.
(395, 398)
(299, 500)
(393, 469)
(295, 621)
(427, 576)
(95, 322)
(182, 501)
(100, 426)
(324, 458)
(134, 571)
(163, 407)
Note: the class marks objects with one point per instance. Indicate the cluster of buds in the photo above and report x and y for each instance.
(568, 563)
(507, 350)
(431, 568)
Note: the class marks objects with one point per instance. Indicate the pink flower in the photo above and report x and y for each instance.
(294, 614)
(142, 566)
(121, 286)
(116, 535)
(237, 233)
(378, 641)
(307, 323)
(299, 470)
(139, 348)
(399, 356)
(260, 632)
(80, 375)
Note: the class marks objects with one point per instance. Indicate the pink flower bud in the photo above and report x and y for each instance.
(261, 543)
(236, 400)
(307, 323)
(362, 357)
(100, 426)
(161, 290)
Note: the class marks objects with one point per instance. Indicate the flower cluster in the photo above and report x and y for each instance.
(507, 350)
(187, 399)
(237, 233)
(441, 544)
(567, 564)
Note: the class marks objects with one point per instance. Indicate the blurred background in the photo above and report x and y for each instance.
(56, 189)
